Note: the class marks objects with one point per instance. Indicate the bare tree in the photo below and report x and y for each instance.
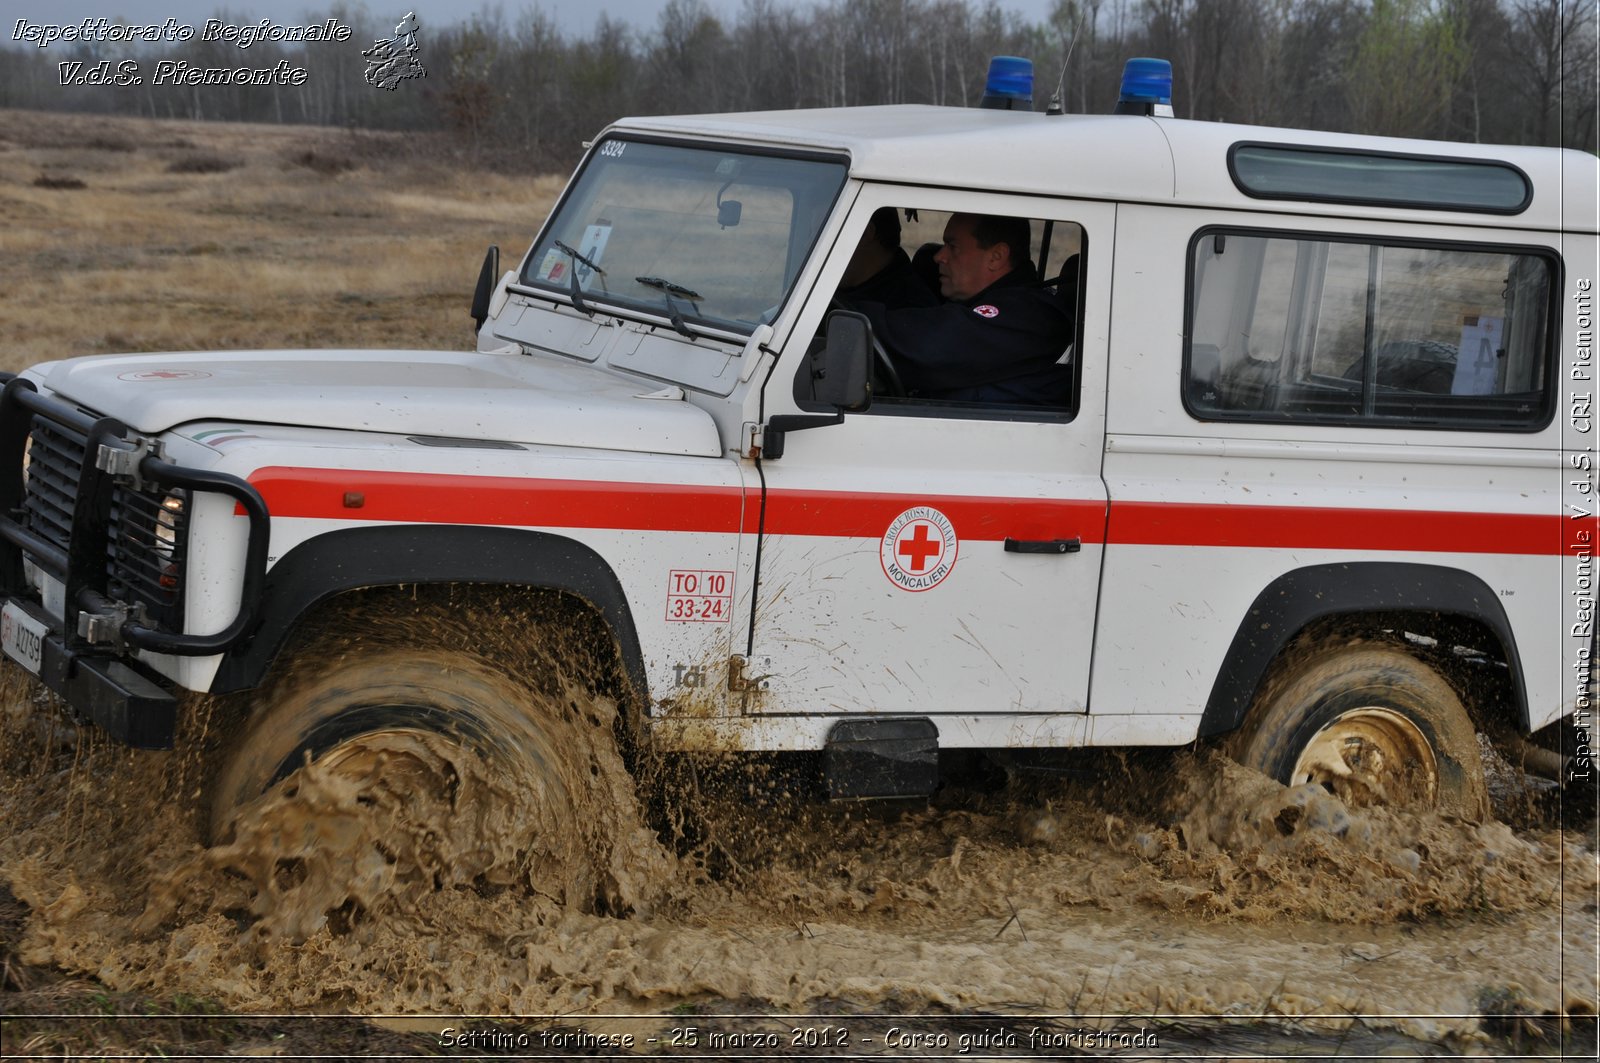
(1406, 66)
(685, 59)
(1553, 60)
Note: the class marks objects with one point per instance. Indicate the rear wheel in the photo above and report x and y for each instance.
(1372, 725)
(391, 772)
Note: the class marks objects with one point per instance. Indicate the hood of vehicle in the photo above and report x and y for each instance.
(463, 395)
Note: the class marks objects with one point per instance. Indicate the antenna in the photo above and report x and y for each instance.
(1055, 100)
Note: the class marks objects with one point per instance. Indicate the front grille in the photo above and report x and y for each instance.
(146, 540)
(55, 454)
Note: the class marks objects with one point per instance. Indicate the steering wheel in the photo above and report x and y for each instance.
(883, 368)
(882, 361)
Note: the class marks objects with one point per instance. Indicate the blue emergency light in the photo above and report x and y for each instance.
(1010, 84)
(1146, 88)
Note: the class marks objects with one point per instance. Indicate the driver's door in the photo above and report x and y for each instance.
(886, 583)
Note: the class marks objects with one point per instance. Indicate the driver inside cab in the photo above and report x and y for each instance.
(999, 336)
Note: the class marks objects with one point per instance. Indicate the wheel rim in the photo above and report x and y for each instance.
(1370, 756)
(401, 756)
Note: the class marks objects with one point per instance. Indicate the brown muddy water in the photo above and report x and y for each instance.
(1175, 895)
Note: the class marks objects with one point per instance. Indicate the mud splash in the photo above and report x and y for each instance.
(545, 806)
(1172, 885)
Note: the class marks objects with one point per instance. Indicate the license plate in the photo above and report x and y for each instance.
(22, 637)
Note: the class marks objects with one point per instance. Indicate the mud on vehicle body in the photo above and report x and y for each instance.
(1320, 489)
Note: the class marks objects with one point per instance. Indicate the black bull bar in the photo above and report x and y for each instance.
(87, 655)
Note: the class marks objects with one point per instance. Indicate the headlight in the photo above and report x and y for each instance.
(168, 518)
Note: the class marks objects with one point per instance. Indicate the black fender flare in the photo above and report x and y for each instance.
(408, 555)
(1318, 592)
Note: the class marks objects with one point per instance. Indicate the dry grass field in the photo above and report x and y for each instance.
(123, 234)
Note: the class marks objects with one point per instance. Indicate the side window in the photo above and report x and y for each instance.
(1325, 330)
(961, 339)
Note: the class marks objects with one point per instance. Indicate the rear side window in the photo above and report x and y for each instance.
(1289, 327)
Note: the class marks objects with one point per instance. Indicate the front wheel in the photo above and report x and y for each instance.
(391, 772)
(1371, 724)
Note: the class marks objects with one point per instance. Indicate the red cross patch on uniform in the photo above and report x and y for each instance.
(987, 310)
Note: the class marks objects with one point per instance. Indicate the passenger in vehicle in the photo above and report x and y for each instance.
(999, 337)
(879, 271)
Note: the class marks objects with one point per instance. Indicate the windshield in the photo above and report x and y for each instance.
(701, 235)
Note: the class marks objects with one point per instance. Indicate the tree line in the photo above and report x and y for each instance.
(515, 90)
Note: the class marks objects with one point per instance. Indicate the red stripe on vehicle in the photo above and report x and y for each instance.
(436, 498)
(866, 515)
(1319, 528)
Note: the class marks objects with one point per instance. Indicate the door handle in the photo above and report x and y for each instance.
(1043, 546)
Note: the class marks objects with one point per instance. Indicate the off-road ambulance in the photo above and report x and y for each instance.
(1322, 489)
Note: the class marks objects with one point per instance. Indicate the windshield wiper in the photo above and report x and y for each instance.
(581, 257)
(669, 289)
(573, 289)
(665, 285)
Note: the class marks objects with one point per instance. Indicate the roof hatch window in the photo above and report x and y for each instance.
(1280, 171)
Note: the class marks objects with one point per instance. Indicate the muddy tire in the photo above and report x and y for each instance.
(1371, 724)
(408, 770)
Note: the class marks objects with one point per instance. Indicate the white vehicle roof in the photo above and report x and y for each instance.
(1117, 157)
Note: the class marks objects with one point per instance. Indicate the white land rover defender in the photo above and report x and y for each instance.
(1324, 483)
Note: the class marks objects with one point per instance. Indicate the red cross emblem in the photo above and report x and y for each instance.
(165, 374)
(919, 549)
(987, 310)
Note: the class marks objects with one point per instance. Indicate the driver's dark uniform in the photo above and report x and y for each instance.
(1000, 346)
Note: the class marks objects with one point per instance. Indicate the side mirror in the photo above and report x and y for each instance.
(729, 212)
(488, 277)
(841, 371)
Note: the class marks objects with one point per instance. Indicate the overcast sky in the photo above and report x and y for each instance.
(573, 16)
